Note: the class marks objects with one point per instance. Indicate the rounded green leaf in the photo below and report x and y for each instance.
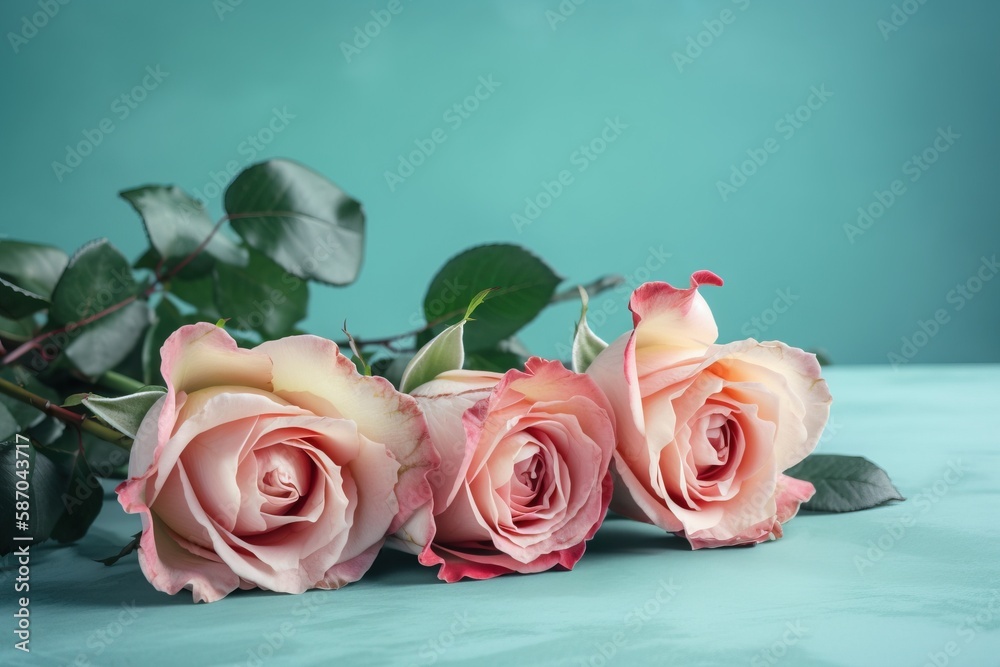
(178, 224)
(306, 223)
(260, 297)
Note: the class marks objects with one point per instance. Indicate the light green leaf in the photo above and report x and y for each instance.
(586, 344)
(308, 225)
(444, 352)
(123, 413)
(178, 224)
(103, 344)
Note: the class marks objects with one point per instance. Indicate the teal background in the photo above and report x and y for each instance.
(654, 187)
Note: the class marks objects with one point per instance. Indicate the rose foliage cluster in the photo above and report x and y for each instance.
(259, 456)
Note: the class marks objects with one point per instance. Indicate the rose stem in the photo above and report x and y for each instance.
(96, 429)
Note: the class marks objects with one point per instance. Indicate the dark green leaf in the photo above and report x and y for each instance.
(260, 297)
(17, 302)
(98, 276)
(103, 344)
(18, 330)
(31, 266)
(126, 550)
(844, 483)
(177, 225)
(199, 292)
(525, 286)
(167, 319)
(41, 482)
(496, 361)
(9, 425)
(23, 414)
(80, 496)
(308, 225)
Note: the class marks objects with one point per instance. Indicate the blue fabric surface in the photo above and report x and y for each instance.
(912, 583)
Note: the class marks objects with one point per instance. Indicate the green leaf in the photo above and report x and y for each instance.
(123, 413)
(309, 226)
(177, 225)
(24, 415)
(82, 496)
(586, 344)
(103, 344)
(495, 361)
(444, 352)
(133, 545)
(524, 284)
(260, 297)
(41, 482)
(166, 320)
(125, 550)
(20, 329)
(9, 425)
(98, 276)
(198, 292)
(17, 302)
(34, 267)
(844, 483)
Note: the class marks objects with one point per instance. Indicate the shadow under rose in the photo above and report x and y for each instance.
(619, 535)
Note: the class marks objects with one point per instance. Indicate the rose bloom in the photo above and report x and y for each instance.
(278, 467)
(524, 478)
(705, 431)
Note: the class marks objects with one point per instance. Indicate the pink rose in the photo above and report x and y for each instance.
(524, 478)
(278, 467)
(705, 430)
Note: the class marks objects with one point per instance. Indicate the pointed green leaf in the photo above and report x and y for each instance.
(133, 545)
(123, 413)
(444, 352)
(82, 497)
(178, 224)
(586, 344)
(844, 483)
(33, 267)
(308, 225)
(523, 286)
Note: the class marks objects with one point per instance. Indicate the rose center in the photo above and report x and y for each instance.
(713, 454)
(283, 477)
